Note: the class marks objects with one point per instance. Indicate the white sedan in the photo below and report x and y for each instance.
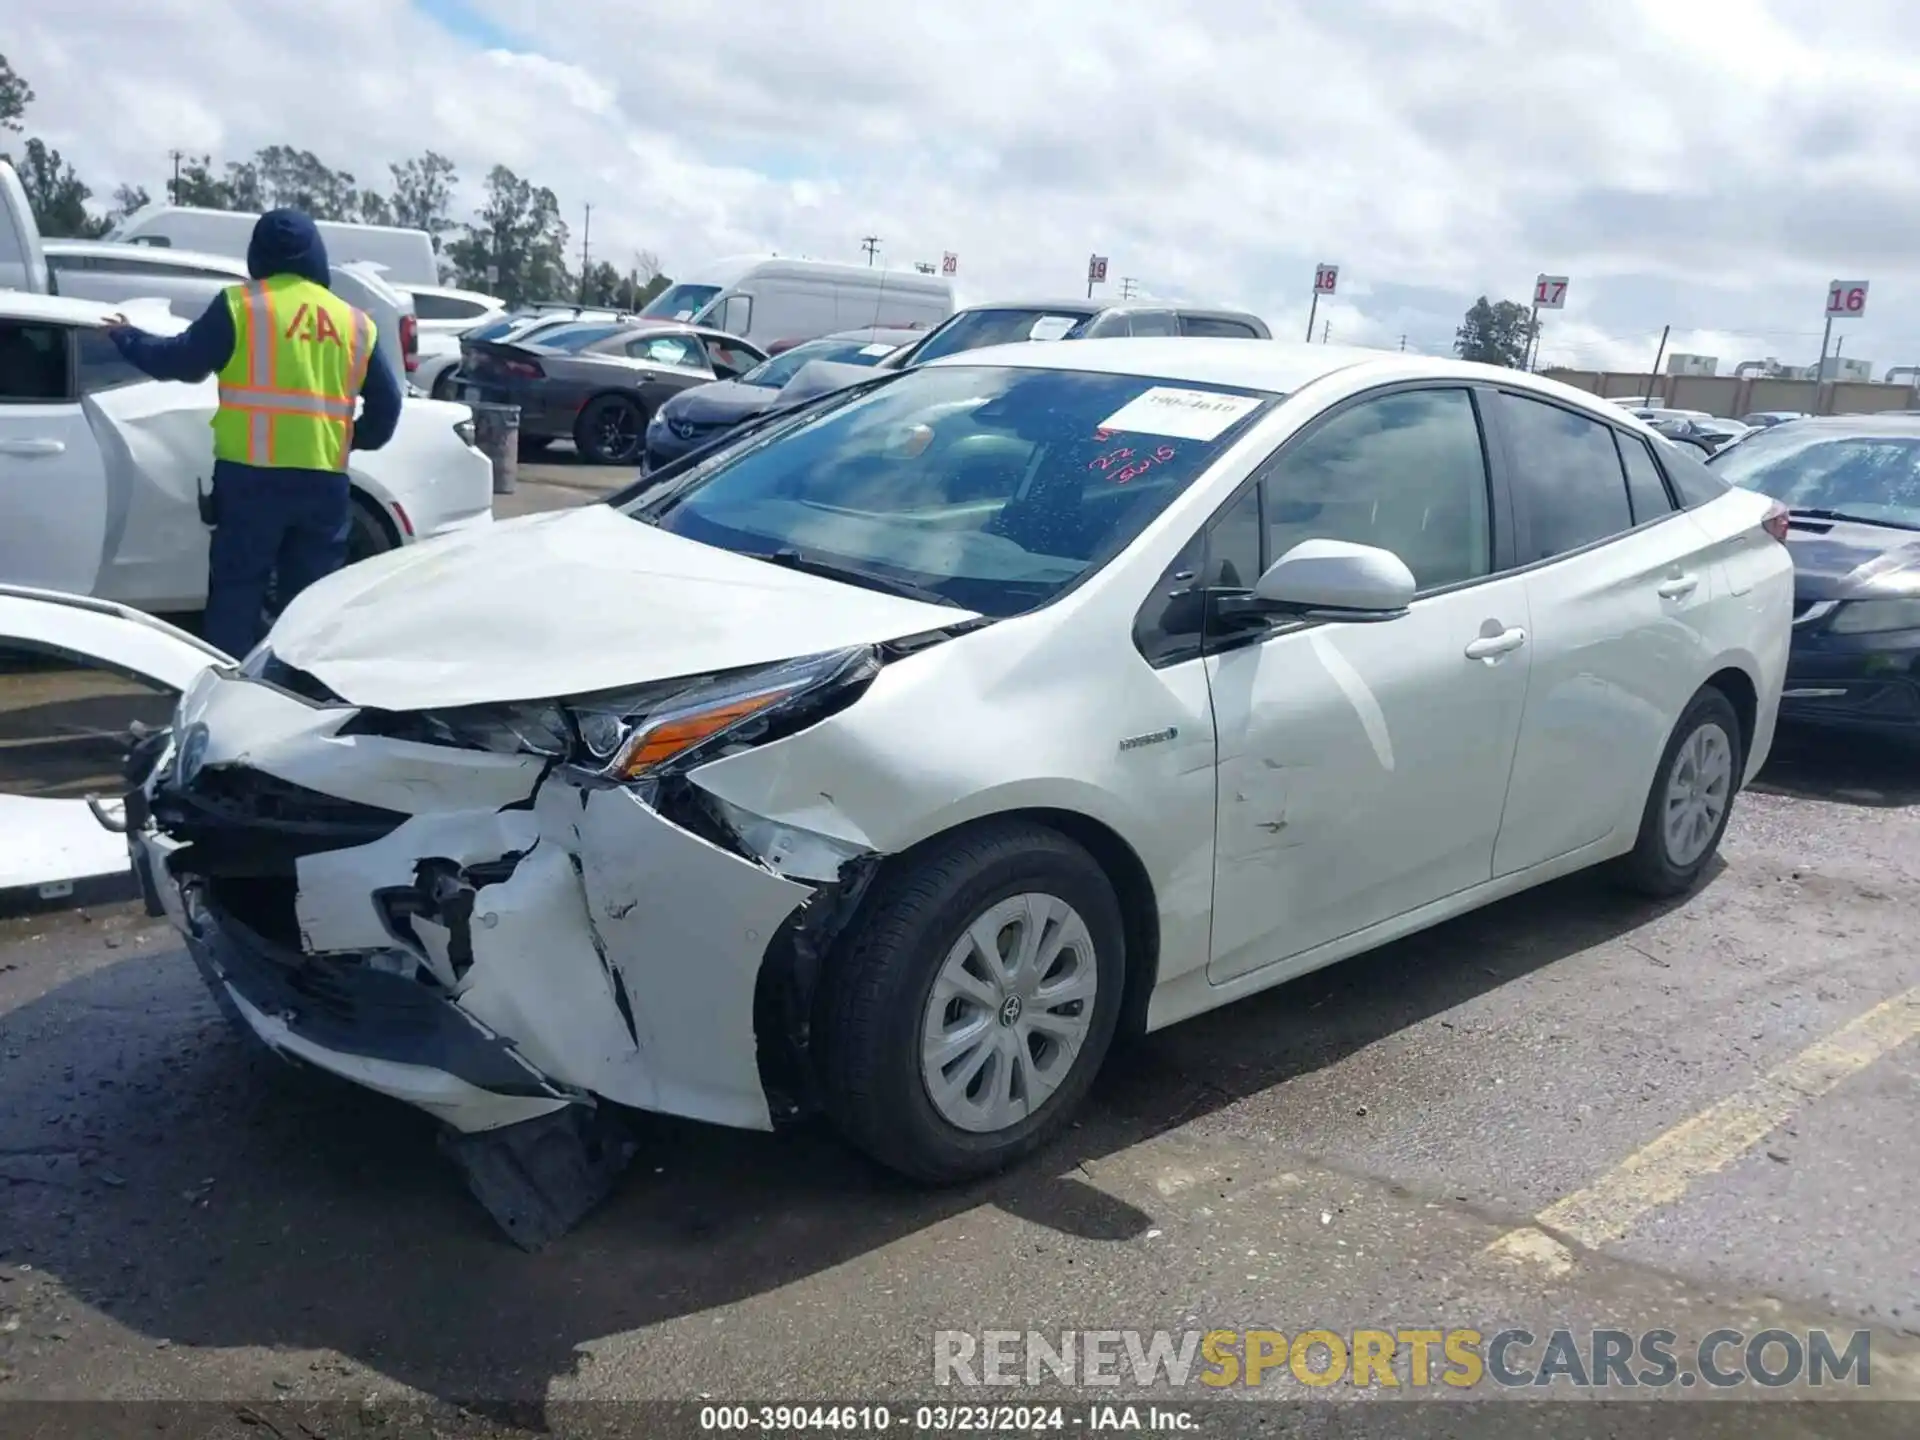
(101, 467)
(894, 757)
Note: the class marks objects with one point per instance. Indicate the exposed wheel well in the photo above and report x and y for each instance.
(1737, 686)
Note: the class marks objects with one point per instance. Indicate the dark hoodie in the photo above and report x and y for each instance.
(285, 242)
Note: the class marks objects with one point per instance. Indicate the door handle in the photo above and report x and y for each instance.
(1491, 647)
(1678, 586)
(32, 447)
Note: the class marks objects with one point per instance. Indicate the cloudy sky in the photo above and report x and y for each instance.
(1709, 164)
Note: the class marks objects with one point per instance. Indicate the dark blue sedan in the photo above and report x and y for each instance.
(702, 414)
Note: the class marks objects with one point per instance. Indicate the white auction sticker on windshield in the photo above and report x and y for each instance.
(1183, 414)
(1051, 327)
(876, 349)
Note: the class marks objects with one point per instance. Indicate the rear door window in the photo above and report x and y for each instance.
(1569, 476)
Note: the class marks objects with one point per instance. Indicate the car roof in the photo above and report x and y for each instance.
(1886, 423)
(1080, 306)
(149, 254)
(1278, 366)
(451, 291)
(149, 314)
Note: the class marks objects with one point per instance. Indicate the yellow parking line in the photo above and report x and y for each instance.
(1661, 1172)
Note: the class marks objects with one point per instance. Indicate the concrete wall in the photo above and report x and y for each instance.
(1723, 395)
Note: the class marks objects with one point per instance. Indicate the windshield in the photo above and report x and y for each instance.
(784, 366)
(1863, 477)
(679, 302)
(977, 329)
(992, 488)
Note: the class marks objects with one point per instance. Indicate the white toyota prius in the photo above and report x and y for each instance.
(892, 757)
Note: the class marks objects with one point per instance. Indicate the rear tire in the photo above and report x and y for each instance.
(367, 533)
(443, 383)
(907, 988)
(612, 430)
(1691, 800)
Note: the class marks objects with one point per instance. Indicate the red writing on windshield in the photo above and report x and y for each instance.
(1126, 464)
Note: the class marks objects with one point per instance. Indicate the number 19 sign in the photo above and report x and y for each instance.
(1846, 299)
(1550, 292)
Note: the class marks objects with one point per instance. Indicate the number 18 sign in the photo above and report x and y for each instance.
(1550, 292)
(1325, 279)
(1846, 299)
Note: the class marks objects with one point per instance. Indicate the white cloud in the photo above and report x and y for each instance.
(1709, 165)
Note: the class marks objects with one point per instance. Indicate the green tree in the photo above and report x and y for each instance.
(127, 199)
(373, 208)
(1493, 334)
(293, 179)
(517, 244)
(242, 187)
(57, 194)
(15, 96)
(423, 194)
(199, 187)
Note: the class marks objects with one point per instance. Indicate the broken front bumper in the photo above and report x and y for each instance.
(478, 935)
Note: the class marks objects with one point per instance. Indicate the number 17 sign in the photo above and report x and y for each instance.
(1550, 292)
(1846, 299)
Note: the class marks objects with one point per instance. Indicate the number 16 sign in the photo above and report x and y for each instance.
(1846, 299)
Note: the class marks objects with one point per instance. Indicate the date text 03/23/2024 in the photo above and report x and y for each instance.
(942, 1419)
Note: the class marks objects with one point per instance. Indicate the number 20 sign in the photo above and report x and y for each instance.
(1846, 299)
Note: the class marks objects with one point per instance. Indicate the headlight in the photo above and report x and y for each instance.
(534, 728)
(1870, 617)
(637, 733)
(669, 727)
(464, 429)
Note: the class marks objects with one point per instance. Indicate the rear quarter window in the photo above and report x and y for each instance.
(1694, 483)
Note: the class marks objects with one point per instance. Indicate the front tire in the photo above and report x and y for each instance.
(611, 431)
(367, 534)
(968, 1011)
(1691, 801)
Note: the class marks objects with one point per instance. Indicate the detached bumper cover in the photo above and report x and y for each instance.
(518, 944)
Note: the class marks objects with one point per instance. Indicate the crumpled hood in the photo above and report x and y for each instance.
(1850, 560)
(720, 403)
(564, 604)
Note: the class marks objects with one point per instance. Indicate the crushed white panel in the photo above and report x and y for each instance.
(687, 924)
(335, 901)
(253, 726)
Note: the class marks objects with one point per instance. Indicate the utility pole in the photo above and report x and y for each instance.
(1325, 327)
(870, 244)
(1658, 355)
(173, 189)
(1403, 344)
(1127, 292)
(586, 240)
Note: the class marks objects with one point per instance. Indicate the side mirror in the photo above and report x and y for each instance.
(1330, 580)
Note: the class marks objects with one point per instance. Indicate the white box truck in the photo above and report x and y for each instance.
(776, 302)
(407, 255)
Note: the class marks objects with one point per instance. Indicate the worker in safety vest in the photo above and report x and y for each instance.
(292, 358)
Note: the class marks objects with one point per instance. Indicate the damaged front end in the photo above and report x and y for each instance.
(519, 918)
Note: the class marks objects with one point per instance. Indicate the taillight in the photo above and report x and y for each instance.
(525, 369)
(1777, 521)
(410, 341)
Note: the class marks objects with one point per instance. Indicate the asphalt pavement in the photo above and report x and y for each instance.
(1570, 1109)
